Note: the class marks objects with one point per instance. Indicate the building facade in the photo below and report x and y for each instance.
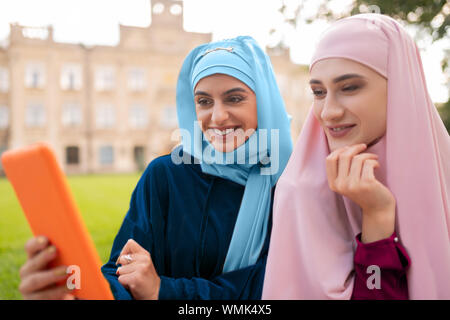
(110, 108)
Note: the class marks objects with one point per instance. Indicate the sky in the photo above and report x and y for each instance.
(97, 22)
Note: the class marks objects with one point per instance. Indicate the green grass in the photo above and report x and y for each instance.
(103, 201)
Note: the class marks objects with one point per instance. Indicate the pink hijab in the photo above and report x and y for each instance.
(313, 236)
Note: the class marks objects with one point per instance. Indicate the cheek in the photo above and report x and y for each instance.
(317, 110)
(378, 108)
(249, 116)
(372, 114)
(382, 105)
(253, 121)
(203, 115)
(380, 120)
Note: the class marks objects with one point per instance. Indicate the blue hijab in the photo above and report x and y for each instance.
(258, 163)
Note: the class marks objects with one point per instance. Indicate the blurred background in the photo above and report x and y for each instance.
(96, 79)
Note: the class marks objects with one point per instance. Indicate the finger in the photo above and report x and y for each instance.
(345, 159)
(131, 266)
(331, 168)
(125, 259)
(368, 169)
(54, 293)
(357, 165)
(35, 245)
(38, 262)
(126, 269)
(131, 247)
(40, 280)
(126, 280)
(332, 165)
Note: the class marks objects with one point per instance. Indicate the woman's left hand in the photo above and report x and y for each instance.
(137, 272)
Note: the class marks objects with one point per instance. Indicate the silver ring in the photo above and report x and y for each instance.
(128, 257)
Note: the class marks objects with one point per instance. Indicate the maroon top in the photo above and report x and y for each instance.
(380, 270)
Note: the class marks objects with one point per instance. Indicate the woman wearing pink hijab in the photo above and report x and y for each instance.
(362, 210)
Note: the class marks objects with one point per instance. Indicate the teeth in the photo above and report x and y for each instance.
(339, 129)
(223, 132)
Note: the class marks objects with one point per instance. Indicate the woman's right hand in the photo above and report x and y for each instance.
(350, 172)
(37, 281)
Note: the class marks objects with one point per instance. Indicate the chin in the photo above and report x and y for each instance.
(221, 147)
(229, 147)
(335, 146)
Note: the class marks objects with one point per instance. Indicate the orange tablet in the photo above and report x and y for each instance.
(50, 209)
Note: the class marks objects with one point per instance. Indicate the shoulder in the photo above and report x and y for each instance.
(172, 166)
(160, 163)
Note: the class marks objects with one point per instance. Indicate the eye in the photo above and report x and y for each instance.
(235, 99)
(318, 93)
(350, 88)
(204, 102)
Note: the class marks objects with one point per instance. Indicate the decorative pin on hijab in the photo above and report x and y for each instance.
(229, 49)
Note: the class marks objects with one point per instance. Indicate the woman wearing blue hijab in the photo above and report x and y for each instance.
(199, 221)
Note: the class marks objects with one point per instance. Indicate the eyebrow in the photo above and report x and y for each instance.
(202, 93)
(237, 89)
(338, 79)
(234, 90)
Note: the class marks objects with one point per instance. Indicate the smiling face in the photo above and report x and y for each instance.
(226, 108)
(350, 102)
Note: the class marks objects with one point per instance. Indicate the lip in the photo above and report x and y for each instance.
(342, 132)
(224, 127)
(223, 137)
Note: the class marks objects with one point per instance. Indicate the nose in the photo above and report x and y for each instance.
(332, 109)
(219, 113)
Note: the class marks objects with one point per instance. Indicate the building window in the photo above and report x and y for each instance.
(35, 75)
(137, 116)
(158, 8)
(104, 78)
(35, 115)
(4, 79)
(106, 155)
(71, 77)
(176, 9)
(136, 79)
(169, 116)
(72, 155)
(139, 157)
(71, 114)
(106, 116)
(4, 117)
(2, 149)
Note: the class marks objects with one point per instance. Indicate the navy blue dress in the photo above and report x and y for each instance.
(185, 219)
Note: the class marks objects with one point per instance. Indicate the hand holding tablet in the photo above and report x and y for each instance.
(51, 211)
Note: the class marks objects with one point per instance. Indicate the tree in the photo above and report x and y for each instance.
(444, 111)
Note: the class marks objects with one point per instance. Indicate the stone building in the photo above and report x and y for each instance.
(109, 108)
